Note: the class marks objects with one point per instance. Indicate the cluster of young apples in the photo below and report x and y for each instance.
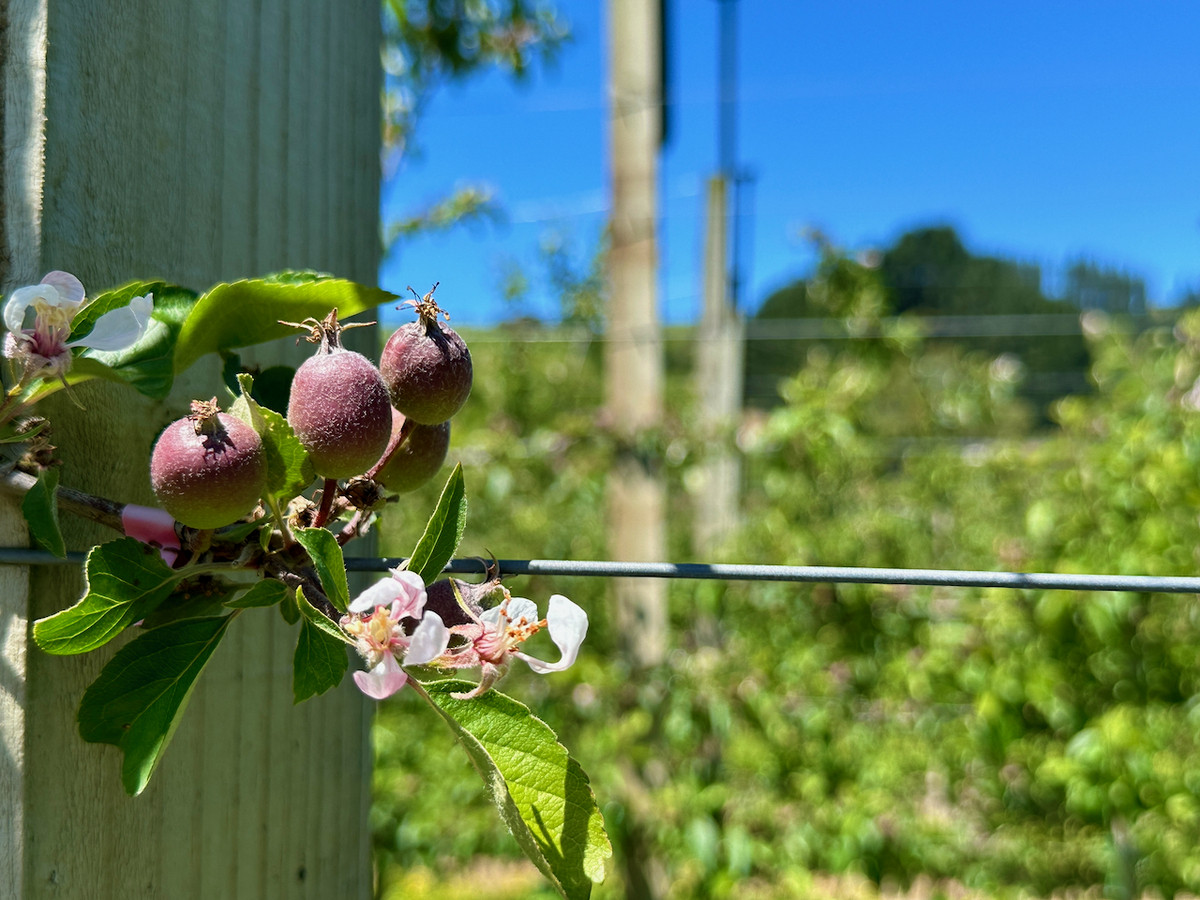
(390, 423)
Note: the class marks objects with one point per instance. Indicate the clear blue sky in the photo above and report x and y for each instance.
(1043, 131)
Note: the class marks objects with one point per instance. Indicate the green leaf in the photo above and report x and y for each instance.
(326, 555)
(445, 529)
(137, 701)
(289, 470)
(272, 385)
(193, 598)
(248, 312)
(320, 659)
(289, 609)
(238, 532)
(542, 793)
(40, 508)
(267, 592)
(148, 366)
(126, 581)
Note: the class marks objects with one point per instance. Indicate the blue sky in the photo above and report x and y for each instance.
(1042, 131)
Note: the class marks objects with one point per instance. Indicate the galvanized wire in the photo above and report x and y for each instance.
(1041, 581)
(815, 574)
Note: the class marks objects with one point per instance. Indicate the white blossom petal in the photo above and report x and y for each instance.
(429, 641)
(516, 607)
(69, 287)
(383, 680)
(568, 625)
(23, 298)
(118, 328)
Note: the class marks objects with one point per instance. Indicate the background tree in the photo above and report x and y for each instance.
(430, 43)
(930, 273)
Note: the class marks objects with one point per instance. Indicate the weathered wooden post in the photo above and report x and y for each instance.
(195, 142)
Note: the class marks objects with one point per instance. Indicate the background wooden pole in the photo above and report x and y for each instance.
(633, 350)
(196, 142)
(719, 358)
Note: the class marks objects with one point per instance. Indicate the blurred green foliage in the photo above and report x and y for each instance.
(1006, 743)
(929, 273)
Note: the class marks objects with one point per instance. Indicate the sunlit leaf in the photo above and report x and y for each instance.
(542, 793)
(289, 470)
(444, 531)
(126, 581)
(326, 555)
(249, 312)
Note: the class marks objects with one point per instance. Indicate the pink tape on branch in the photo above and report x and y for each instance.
(152, 526)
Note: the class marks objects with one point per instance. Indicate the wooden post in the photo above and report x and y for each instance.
(633, 350)
(718, 385)
(196, 142)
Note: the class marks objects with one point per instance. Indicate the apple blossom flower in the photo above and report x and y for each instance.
(44, 349)
(373, 622)
(493, 639)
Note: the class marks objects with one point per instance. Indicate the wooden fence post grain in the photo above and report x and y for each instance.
(194, 142)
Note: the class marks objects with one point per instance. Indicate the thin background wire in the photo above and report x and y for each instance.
(731, 572)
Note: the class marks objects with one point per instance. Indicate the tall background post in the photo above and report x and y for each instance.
(193, 142)
(633, 349)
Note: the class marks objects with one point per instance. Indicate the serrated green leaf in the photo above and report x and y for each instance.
(267, 592)
(126, 581)
(248, 312)
(137, 701)
(320, 659)
(193, 598)
(148, 365)
(444, 531)
(39, 506)
(326, 555)
(543, 795)
(289, 470)
(319, 620)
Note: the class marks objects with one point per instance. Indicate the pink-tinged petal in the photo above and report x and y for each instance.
(68, 286)
(568, 625)
(429, 641)
(381, 593)
(406, 589)
(383, 680)
(118, 328)
(412, 595)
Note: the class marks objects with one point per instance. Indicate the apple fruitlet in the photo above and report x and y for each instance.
(208, 469)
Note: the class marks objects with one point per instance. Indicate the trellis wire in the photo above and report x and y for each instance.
(1042, 581)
